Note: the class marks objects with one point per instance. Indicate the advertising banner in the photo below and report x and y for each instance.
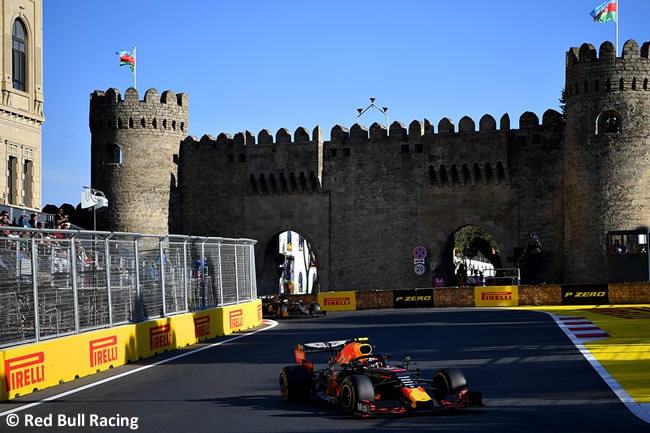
(585, 294)
(496, 296)
(40, 365)
(337, 301)
(415, 298)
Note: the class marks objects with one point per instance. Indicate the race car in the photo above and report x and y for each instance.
(363, 383)
(280, 306)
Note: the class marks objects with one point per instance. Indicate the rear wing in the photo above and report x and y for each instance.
(322, 346)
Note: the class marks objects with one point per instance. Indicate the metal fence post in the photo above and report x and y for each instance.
(220, 275)
(37, 325)
(137, 281)
(251, 273)
(185, 272)
(203, 300)
(75, 290)
(107, 264)
(236, 275)
(162, 275)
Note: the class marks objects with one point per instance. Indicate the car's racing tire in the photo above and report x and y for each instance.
(314, 308)
(354, 389)
(448, 382)
(295, 383)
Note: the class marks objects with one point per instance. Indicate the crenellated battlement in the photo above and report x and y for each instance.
(589, 71)
(366, 195)
(156, 112)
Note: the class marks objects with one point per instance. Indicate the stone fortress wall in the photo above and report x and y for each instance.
(366, 197)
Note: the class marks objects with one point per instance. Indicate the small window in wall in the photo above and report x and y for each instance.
(300, 282)
(112, 154)
(28, 170)
(608, 122)
(19, 62)
(301, 242)
(11, 179)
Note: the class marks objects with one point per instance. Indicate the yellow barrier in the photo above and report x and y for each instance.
(337, 301)
(496, 296)
(40, 365)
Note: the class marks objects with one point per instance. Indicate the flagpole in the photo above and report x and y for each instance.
(136, 61)
(617, 15)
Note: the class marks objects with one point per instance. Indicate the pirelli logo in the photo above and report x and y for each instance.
(25, 370)
(337, 301)
(236, 318)
(259, 312)
(103, 350)
(201, 326)
(160, 336)
(496, 296)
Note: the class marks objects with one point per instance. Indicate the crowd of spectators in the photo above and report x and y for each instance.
(10, 238)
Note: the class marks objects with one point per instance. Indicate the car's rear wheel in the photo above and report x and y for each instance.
(354, 389)
(448, 382)
(314, 308)
(295, 383)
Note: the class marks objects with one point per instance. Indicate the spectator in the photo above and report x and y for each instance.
(438, 281)
(60, 218)
(23, 221)
(33, 220)
(57, 235)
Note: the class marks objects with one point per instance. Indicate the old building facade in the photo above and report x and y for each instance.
(366, 197)
(21, 106)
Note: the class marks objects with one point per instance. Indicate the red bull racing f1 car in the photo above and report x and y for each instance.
(363, 383)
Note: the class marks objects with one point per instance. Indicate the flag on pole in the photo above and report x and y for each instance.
(606, 12)
(127, 58)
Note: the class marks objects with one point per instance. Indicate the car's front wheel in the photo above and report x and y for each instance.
(355, 389)
(448, 382)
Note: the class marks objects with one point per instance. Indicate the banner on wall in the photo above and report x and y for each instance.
(496, 296)
(337, 301)
(414, 298)
(585, 294)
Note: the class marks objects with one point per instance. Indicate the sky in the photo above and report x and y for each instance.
(253, 65)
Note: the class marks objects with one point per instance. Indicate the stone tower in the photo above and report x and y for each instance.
(607, 152)
(134, 148)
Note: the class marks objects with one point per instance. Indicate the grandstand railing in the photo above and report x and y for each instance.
(55, 283)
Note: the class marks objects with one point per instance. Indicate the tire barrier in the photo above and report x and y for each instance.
(31, 367)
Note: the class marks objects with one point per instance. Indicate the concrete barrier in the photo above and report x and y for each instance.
(30, 367)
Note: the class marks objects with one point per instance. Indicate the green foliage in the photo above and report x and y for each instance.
(563, 98)
(466, 238)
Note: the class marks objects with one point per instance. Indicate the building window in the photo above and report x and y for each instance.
(19, 65)
(27, 176)
(11, 179)
(300, 282)
(112, 154)
(608, 122)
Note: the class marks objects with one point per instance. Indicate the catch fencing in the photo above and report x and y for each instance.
(55, 283)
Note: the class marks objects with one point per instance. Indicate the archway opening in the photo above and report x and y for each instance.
(470, 257)
(289, 266)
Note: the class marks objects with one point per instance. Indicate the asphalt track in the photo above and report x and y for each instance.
(532, 376)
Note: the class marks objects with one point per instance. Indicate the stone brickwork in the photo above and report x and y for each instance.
(133, 148)
(607, 181)
(366, 197)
